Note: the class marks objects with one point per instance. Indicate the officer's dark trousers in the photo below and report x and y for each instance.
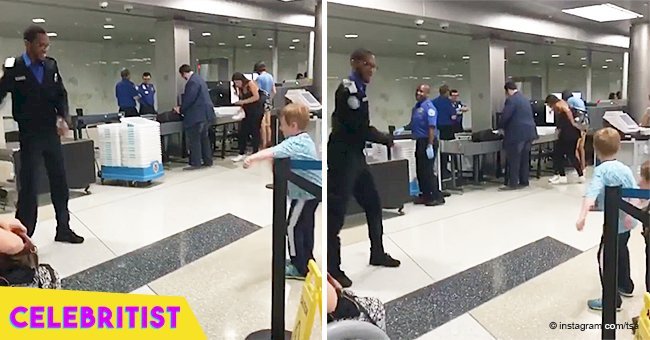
(199, 144)
(518, 163)
(146, 109)
(348, 175)
(427, 180)
(35, 148)
(129, 111)
(300, 232)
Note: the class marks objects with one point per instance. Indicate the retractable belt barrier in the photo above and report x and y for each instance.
(282, 175)
(614, 202)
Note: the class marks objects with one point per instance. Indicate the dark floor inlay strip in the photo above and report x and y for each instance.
(131, 271)
(423, 310)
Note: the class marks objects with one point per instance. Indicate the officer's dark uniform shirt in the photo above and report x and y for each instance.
(423, 116)
(147, 92)
(126, 91)
(459, 115)
(351, 117)
(38, 94)
(445, 109)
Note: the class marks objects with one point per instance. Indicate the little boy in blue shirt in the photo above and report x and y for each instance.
(610, 172)
(298, 145)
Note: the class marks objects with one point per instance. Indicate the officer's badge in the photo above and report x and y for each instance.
(56, 77)
(431, 112)
(10, 62)
(146, 92)
(353, 102)
(350, 85)
(420, 110)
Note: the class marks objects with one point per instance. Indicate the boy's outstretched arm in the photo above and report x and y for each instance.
(595, 187)
(259, 156)
(587, 204)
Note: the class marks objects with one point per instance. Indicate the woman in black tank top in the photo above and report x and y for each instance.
(566, 146)
(253, 103)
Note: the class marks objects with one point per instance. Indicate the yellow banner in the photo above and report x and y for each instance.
(27, 313)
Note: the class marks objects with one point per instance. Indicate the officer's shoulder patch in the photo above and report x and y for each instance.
(431, 112)
(10, 62)
(353, 102)
(350, 86)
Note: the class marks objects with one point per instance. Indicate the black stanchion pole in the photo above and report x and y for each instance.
(610, 261)
(281, 170)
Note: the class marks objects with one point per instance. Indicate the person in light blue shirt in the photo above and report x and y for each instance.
(610, 173)
(298, 145)
(266, 83)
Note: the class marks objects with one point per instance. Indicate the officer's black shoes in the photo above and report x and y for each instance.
(446, 194)
(508, 188)
(420, 200)
(383, 260)
(68, 236)
(342, 279)
(435, 203)
(269, 186)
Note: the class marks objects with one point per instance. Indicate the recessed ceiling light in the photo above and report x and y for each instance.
(270, 46)
(608, 60)
(419, 22)
(241, 36)
(423, 43)
(351, 36)
(419, 53)
(222, 44)
(583, 65)
(292, 47)
(152, 40)
(520, 52)
(605, 66)
(269, 39)
(192, 42)
(465, 57)
(426, 78)
(52, 34)
(287, 0)
(38, 20)
(535, 62)
(555, 56)
(206, 34)
(583, 58)
(296, 40)
(109, 26)
(248, 45)
(107, 37)
(603, 13)
(561, 64)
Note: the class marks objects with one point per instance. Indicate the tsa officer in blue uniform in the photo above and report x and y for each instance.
(127, 94)
(460, 109)
(40, 107)
(348, 173)
(147, 95)
(423, 127)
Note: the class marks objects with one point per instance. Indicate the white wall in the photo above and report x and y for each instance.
(289, 62)
(393, 87)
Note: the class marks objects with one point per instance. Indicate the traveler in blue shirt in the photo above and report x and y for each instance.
(266, 83)
(423, 126)
(147, 95)
(446, 117)
(127, 93)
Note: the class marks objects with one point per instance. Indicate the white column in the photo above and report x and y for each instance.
(626, 66)
(171, 51)
(639, 69)
(276, 73)
(310, 63)
(488, 75)
(589, 78)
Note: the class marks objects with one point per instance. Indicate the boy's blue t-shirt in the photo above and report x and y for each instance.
(300, 147)
(611, 173)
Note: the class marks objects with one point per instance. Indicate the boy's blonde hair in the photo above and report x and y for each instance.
(296, 113)
(645, 171)
(607, 142)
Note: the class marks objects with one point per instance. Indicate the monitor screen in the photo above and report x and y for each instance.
(627, 120)
(557, 94)
(220, 92)
(550, 115)
(577, 95)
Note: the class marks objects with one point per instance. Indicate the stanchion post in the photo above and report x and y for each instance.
(610, 261)
(391, 131)
(281, 174)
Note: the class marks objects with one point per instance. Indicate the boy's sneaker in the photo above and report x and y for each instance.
(558, 180)
(238, 159)
(597, 304)
(626, 294)
(291, 272)
(582, 179)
